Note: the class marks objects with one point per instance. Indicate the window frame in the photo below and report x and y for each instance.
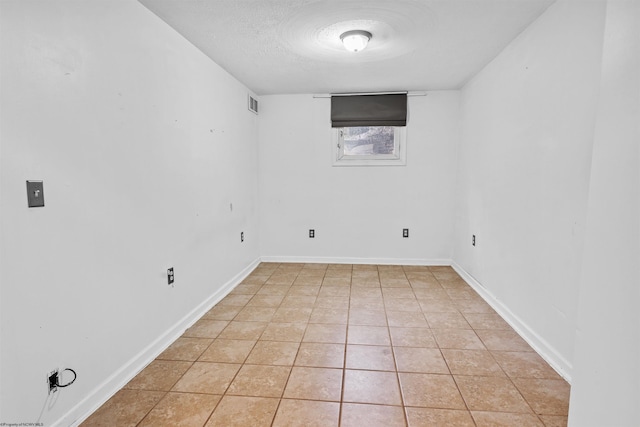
(340, 159)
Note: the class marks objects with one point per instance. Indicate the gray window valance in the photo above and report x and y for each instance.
(369, 110)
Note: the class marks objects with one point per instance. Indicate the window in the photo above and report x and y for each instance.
(369, 129)
(369, 146)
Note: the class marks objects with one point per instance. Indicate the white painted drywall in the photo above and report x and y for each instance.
(143, 143)
(523, 176)
(358, 213)
(606, 376)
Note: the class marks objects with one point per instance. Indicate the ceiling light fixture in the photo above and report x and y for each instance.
(355, 40)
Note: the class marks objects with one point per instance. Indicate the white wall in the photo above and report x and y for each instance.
(358, 213)
(523, 180)
(606, 378)
(143, 143)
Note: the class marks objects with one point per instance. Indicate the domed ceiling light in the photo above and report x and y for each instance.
(355, 40)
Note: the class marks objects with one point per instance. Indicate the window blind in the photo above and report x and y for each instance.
(369, 110)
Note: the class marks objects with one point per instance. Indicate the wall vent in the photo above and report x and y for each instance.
(253, 104)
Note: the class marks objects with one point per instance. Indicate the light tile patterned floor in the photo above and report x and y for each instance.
(342, 345)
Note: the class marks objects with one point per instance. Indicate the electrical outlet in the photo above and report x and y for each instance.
(170, 277)
(52, 381)
(241, 236)
(405, 233)
(473, 240)
(312, 234)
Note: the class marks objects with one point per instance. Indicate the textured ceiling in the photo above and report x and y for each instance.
(293, 46)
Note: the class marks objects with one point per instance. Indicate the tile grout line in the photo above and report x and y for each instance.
(473, 420)
(152, 408)
(245, 358)
(395, 360)
(344, 356)
(286, 383)
(293, 364)
(224, 393)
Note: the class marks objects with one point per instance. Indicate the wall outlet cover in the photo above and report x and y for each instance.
(35, 194)
(52, 381)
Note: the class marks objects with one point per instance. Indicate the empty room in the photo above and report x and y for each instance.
(320, 213)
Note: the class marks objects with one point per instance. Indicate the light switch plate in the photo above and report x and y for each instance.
(35, 194)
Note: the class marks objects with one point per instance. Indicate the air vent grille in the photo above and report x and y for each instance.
(253, 104)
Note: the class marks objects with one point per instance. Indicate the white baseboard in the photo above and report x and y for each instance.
(120, 378)
(347, 260)
(539, 344)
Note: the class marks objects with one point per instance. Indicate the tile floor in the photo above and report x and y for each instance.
(342, 345)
